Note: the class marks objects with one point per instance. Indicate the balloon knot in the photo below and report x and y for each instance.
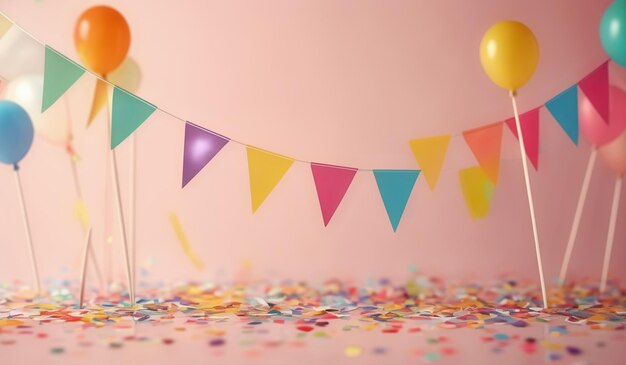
(15, 167)
(512, 93)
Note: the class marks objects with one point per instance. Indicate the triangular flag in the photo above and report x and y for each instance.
(564, 108)
(596, 87)
(129, 112)
(5, 25)
(485, 143)
(430, 153)
(200, 147)
(100, 99)
(59, 74)
(331, 183)
(395, 188)
(265, 169)
(477, 190)
(529, 123)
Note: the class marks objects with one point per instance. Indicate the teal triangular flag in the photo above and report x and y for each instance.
(59, 74)
(564, 108)
(395, 188)
(129, 112)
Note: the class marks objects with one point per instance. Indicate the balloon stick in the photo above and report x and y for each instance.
(530, 199)
(131, 205)
(79, 196)
(582, 197)
(611, 234)
(29, 239)
(83, 270)
(120, 215)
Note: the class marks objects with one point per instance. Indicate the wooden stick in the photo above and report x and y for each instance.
(611, 234)
(131, 206)
(83, 270)
(582, 197)
(530, 199)
(29, 239)
(120, 213)
(79, 196)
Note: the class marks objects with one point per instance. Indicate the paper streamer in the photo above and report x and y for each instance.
(80, 211)
(184, 242)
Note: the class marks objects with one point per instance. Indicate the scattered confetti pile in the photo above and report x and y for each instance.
(259, 319)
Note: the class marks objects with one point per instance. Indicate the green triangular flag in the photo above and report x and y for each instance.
(59, 74)
(129, 112)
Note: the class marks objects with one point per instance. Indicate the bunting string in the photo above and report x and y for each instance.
(266, 168)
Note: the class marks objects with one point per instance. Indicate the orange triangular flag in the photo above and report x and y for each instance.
(485, 143)
(430, 154)
(100, 99)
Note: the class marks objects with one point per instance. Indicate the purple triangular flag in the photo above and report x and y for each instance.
(595, 86)
(201, 145)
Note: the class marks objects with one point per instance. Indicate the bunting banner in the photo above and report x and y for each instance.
(266, 169)
(529, 122)
(200, 147)
(331, 183)
(129, 112)
(485, 143)
(5, 25)
(100, 100)
(395, 187)
(595, 86)
(477, 190)
(564, 109)
(430, 153)
(60, 73)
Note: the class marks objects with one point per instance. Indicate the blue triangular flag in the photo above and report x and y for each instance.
(59, 74)
(564, 108)
(129, 112)
(395, 188)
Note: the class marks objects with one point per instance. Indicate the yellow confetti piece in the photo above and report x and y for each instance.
(80, 211)
(10, 322)
(353, 351)
(182, 238)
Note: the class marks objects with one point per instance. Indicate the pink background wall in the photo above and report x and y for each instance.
(339, 82)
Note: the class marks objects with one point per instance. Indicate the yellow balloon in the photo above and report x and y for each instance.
(509, 54)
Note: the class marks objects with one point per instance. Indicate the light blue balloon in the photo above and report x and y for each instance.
(16, 132)
(613, 32)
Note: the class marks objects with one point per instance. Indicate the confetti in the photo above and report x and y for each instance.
(353, 351)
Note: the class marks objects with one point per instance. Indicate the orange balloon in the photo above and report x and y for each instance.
(102, 38)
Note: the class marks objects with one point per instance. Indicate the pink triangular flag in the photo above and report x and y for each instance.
(596, 89)
(529, 123)
(331, 183)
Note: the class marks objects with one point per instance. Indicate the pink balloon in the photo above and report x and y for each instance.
(614, 154)
(597, 131)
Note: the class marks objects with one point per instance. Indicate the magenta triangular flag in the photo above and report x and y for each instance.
(331, 183)
(201, 146)
(595, 86)
(529, 122)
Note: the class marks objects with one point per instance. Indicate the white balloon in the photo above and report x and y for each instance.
(20, 55)
(53, 124)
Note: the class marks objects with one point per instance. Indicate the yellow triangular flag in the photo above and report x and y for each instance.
(100, 99)
(430, 154)
(5, 25)
(477, 190)
(265, 169)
